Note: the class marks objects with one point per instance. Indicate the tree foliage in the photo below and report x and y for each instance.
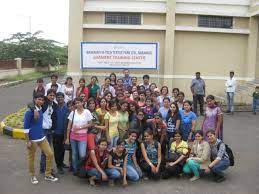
(32, 46)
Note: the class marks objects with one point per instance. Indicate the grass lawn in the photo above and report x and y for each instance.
(34, 75)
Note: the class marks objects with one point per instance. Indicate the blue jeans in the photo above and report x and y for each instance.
(255, 104)
(113, 173)
(48, 134)
(94, 172)
(78, 152)
(113, 142)
(220, 167)
(230, 101)
(132, 173)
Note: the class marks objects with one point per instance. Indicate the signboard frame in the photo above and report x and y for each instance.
(138, 43)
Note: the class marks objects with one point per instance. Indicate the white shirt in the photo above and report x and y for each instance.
(48, 86)
(80, 119)
(70, 93)
(231, 85)
(47, 121)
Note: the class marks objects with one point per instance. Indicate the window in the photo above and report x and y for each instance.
(215, 21)
(123, 18)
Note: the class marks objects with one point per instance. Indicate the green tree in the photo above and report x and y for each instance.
(27, 45)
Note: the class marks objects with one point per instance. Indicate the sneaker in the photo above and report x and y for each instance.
(92, 181)
(220, 179)
(60, 171)
(111, 183)
(194, 178)
(51, 178)
(34, 180)
(65, 166)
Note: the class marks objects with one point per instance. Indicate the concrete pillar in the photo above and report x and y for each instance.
(169, 43)
(19, 65)
(76, 13)
(252, 47)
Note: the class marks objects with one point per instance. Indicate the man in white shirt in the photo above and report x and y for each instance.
(54, 79)
(230, 91)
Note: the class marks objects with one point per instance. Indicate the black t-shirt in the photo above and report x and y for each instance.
(171, 122)
(117, 160)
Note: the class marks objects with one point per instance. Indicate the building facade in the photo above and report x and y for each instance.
(209, 36)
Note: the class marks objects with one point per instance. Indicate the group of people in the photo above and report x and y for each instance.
(124, 131)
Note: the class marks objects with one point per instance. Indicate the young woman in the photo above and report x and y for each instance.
(213, 118)
(117, 163)
(68, 89)
(142, 99)
(108, 97)
(111, 124)
(79, 122)
(180, 101)
(97, 162)
(82, 89)
(95, 129)
(123, 125)
(140, 124)
(147, 92)
(154, 99)
(152, 87)
(163, 94)
(106, 87)
(94, 88)
(151, 152)
(39, 89)
(173, 121)
(133, 170)
(113, 78)
(101, 111)
(176, 157)
(149, 109)
(188, 121)
(165, 108)
(175, 93)
(199, 156)
(135, 96)
(133, 107)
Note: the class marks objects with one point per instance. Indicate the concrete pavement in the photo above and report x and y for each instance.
(241, 133)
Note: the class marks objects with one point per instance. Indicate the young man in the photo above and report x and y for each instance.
(49, 121)
(126, 79)
(230, 91)
(198, 92)
(59, 132)
(35, 136)
(219, 157)
(255, 99)
(145, 83)
(54, 79)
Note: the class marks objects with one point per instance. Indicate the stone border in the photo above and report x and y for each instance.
(11, 83)
(13, 132)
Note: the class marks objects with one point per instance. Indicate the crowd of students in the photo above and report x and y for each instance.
(124, 131)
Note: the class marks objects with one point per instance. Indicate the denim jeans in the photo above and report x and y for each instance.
(113, 173)
(113, 142)
(230, 101)
(94, 172)
(220, 167)
(78, 152)
(132, 173)
(48, 134)
(255, 104)
(192, 167)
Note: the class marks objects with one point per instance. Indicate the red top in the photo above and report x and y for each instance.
(85, 91)
(101, 160)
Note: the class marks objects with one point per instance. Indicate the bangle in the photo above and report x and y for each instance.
(150, 163)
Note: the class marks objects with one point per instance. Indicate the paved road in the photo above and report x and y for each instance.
(241, 132)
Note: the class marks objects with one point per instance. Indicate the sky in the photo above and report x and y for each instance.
(49, 16)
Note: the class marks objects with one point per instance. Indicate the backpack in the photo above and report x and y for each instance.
(230, 154)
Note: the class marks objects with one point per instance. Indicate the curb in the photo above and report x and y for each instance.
(13, 132)
(11, 83)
